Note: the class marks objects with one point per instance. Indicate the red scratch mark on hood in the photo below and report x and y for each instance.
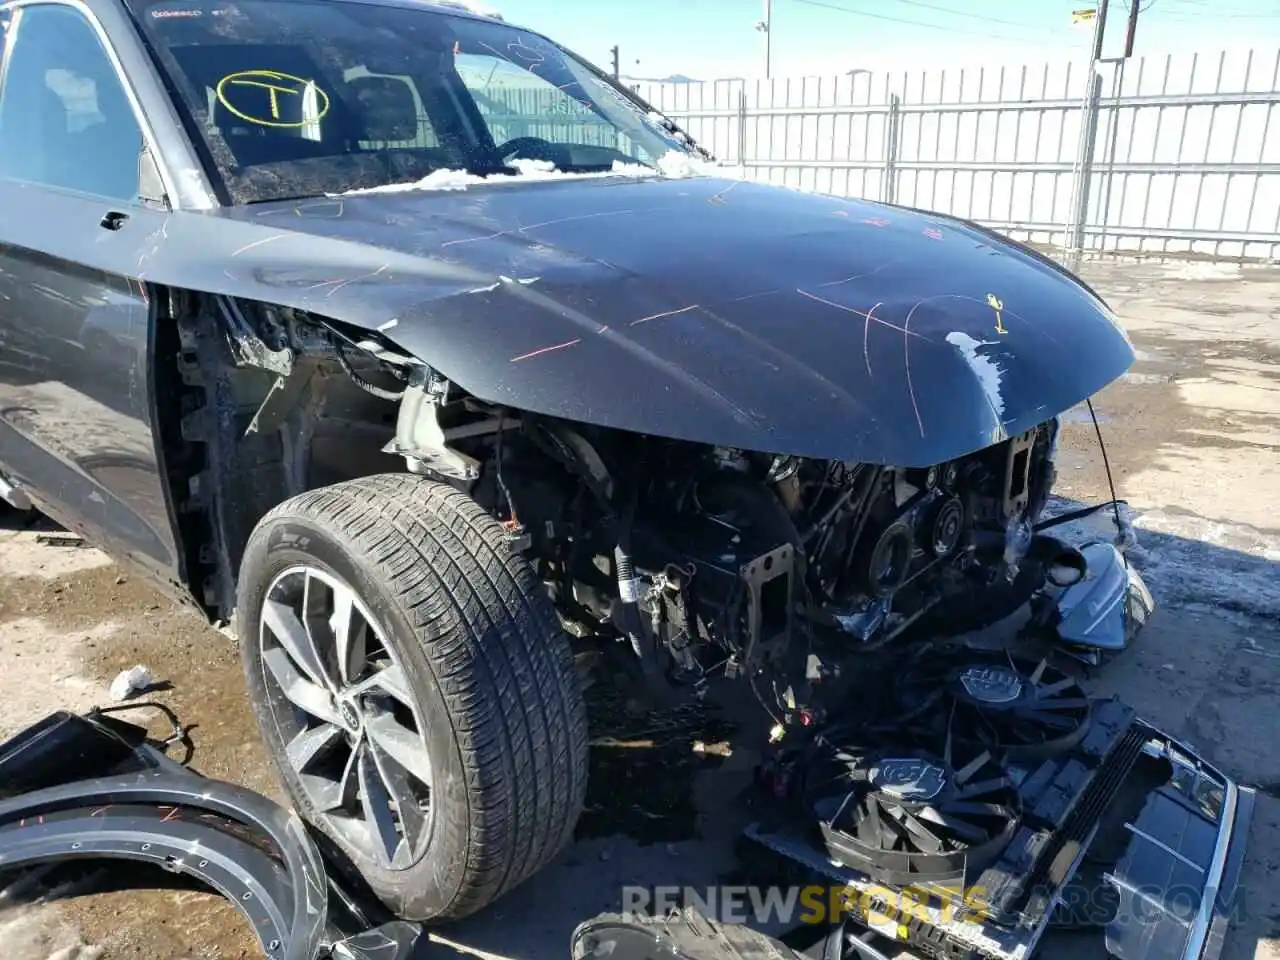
(932, 233)
(875, 221)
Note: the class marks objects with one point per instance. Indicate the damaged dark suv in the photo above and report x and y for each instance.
(448, 370)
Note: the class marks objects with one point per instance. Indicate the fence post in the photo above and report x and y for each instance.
(892, 146)
(1109, 162)
(1084, 167)
(742, 132)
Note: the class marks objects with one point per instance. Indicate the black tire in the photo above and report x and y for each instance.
(487, 662)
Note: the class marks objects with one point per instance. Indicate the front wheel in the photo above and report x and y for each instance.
(415, 689)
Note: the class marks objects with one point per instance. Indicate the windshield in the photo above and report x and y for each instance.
(296, 98)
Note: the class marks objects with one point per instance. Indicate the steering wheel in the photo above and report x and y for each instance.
(534, 148)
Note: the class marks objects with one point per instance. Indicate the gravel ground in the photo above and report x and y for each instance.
(1192, 433)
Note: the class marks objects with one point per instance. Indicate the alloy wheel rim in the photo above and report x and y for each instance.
(353, 732)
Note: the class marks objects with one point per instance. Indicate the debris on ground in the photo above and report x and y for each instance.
(135, 803)
(615, 743)
(60, 540)
(650, 764)
(129, 683)
(721, 749)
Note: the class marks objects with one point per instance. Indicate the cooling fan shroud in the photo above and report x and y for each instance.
(905, 816)
(1016, 708)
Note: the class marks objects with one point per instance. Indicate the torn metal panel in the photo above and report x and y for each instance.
(136, 804)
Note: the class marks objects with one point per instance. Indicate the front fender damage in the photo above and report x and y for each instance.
(131, 802)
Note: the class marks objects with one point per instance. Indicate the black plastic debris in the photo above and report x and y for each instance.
(95, 787)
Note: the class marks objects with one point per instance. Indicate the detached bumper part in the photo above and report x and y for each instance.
(684, 935)
(1178, 878)
(138, 805)
(1175, 876)
(1103, 612)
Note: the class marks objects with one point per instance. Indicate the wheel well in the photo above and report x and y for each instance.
(256, 406)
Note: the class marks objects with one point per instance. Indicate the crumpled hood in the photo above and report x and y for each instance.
(722, 311)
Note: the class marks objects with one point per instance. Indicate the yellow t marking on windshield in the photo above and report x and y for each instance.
(998, 306)
(277, 84)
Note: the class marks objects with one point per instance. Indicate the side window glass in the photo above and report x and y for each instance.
(65, 120)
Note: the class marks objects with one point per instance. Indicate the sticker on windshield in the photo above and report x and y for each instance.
(240, 94)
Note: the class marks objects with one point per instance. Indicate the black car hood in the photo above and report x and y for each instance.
(719, 311)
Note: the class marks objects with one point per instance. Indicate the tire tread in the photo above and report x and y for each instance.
(499, 655)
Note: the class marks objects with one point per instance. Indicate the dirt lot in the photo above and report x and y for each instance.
(1193, 433)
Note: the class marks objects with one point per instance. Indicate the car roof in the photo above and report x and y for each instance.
(471, 9)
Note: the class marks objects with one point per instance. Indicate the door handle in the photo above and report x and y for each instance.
(113, 220)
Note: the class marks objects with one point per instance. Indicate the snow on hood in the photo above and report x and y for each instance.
(985, 369)
(674, 165)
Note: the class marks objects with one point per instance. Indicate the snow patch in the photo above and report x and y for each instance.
(129, 683)
(508, 281)
(472, 6)
(1141, 378)
(1205, 271)
(621, 169)
(673, 166)
(679, 166)
(984, 368)
(1190, 561)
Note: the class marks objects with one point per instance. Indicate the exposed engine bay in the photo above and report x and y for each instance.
(679, 563)
(704, 560)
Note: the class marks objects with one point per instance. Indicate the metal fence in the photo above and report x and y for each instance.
(1176, 154)
(547, 114)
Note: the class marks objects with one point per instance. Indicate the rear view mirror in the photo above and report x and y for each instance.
(388, 107)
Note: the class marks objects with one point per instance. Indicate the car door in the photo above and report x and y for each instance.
(77, 404)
